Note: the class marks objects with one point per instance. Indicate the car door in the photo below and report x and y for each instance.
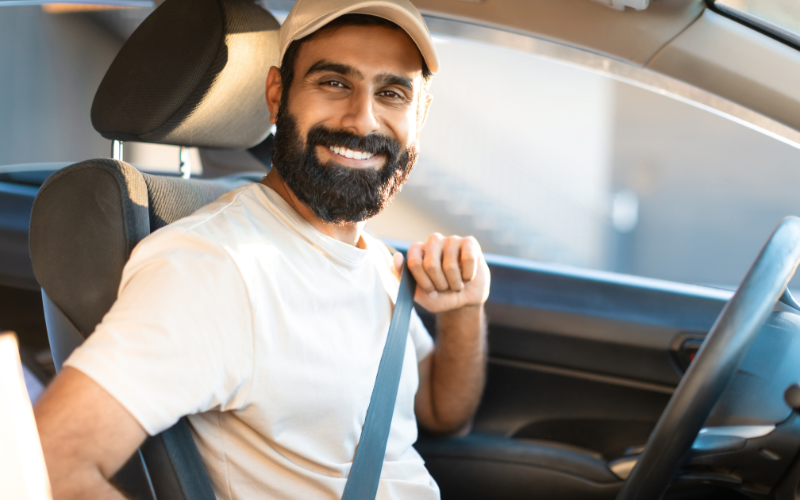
(618, 222)
(581, 365)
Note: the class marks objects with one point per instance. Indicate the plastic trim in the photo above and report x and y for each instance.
(63, 335)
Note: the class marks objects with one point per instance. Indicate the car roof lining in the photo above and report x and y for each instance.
(631, 36)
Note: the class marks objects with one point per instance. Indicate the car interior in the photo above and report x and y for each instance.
(599, 385)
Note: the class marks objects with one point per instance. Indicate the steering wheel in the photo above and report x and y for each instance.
(715, 364)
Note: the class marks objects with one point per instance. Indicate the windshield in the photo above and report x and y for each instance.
(779, 17)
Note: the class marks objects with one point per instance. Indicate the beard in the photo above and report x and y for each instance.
(335, 193)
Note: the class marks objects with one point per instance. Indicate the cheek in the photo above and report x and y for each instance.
(310, 108)
(314, 110)
(404, 127)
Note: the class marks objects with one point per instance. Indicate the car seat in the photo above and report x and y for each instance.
(192, 74)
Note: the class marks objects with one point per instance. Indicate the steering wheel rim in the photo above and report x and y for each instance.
(715, 364)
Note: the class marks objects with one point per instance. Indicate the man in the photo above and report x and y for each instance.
(263, 315)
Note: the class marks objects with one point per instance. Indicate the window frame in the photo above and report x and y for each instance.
(616, 69)
(766, 28)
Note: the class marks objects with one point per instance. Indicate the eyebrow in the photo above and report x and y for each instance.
(403, 81)
(342, 69)
(351, 72)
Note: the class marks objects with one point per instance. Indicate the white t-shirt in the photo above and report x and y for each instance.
(268, 334)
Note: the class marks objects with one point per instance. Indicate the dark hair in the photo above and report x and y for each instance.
(290, 57)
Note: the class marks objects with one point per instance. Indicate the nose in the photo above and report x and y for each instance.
(360, 116)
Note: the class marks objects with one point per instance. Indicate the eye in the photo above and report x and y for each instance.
(333, 83)
(391, 94)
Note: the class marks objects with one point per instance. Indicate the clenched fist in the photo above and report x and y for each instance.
(451, 272)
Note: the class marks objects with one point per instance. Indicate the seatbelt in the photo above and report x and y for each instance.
(362, 483)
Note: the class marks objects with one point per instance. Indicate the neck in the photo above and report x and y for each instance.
(349, 232)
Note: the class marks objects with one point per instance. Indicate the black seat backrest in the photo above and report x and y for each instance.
(193, 74)
(88, 217)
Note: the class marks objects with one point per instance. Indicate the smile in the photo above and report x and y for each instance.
(349, 153)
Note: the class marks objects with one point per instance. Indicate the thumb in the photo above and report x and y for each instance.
(398, 264)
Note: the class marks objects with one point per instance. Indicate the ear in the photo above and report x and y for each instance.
(274, 90)
(424, 106)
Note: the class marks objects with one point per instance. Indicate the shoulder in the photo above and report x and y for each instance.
(210, 229)
(377, 248)
(203, 237)
(217, 215)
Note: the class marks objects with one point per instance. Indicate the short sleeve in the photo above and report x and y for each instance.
(423, 342)
(179, 338)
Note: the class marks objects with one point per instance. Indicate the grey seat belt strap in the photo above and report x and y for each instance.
(362, 483)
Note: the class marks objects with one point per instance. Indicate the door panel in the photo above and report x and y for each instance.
(600, 414)
(579, 360)
(584, 352)
(623, 359)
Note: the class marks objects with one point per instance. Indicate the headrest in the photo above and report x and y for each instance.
(193, 74)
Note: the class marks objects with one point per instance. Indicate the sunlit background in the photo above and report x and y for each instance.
(538, 160)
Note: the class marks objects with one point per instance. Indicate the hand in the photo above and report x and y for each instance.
(450, 271)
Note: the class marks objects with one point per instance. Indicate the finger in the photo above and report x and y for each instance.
(432, 262)
(470, 256)
(414, 261)
(397, 260)
(450, 264)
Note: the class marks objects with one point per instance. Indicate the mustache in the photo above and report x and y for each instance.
(376, 144)
(335, 193)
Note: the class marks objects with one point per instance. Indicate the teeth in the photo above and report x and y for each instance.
(349, 153)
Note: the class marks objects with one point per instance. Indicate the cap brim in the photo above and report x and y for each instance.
(414, 26)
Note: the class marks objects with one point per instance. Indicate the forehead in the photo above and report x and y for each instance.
(370, 49)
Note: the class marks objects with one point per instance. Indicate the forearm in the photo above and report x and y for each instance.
(86, 437)
(73, 475)
(77, 482)
(458, 367)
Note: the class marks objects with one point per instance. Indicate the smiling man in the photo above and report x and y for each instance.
(262, 317)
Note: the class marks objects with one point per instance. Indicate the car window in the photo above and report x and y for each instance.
(52, 59)
(778, 17)
(538, 159)
(546, 161)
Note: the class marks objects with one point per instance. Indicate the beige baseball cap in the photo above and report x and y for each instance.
(307, 16)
